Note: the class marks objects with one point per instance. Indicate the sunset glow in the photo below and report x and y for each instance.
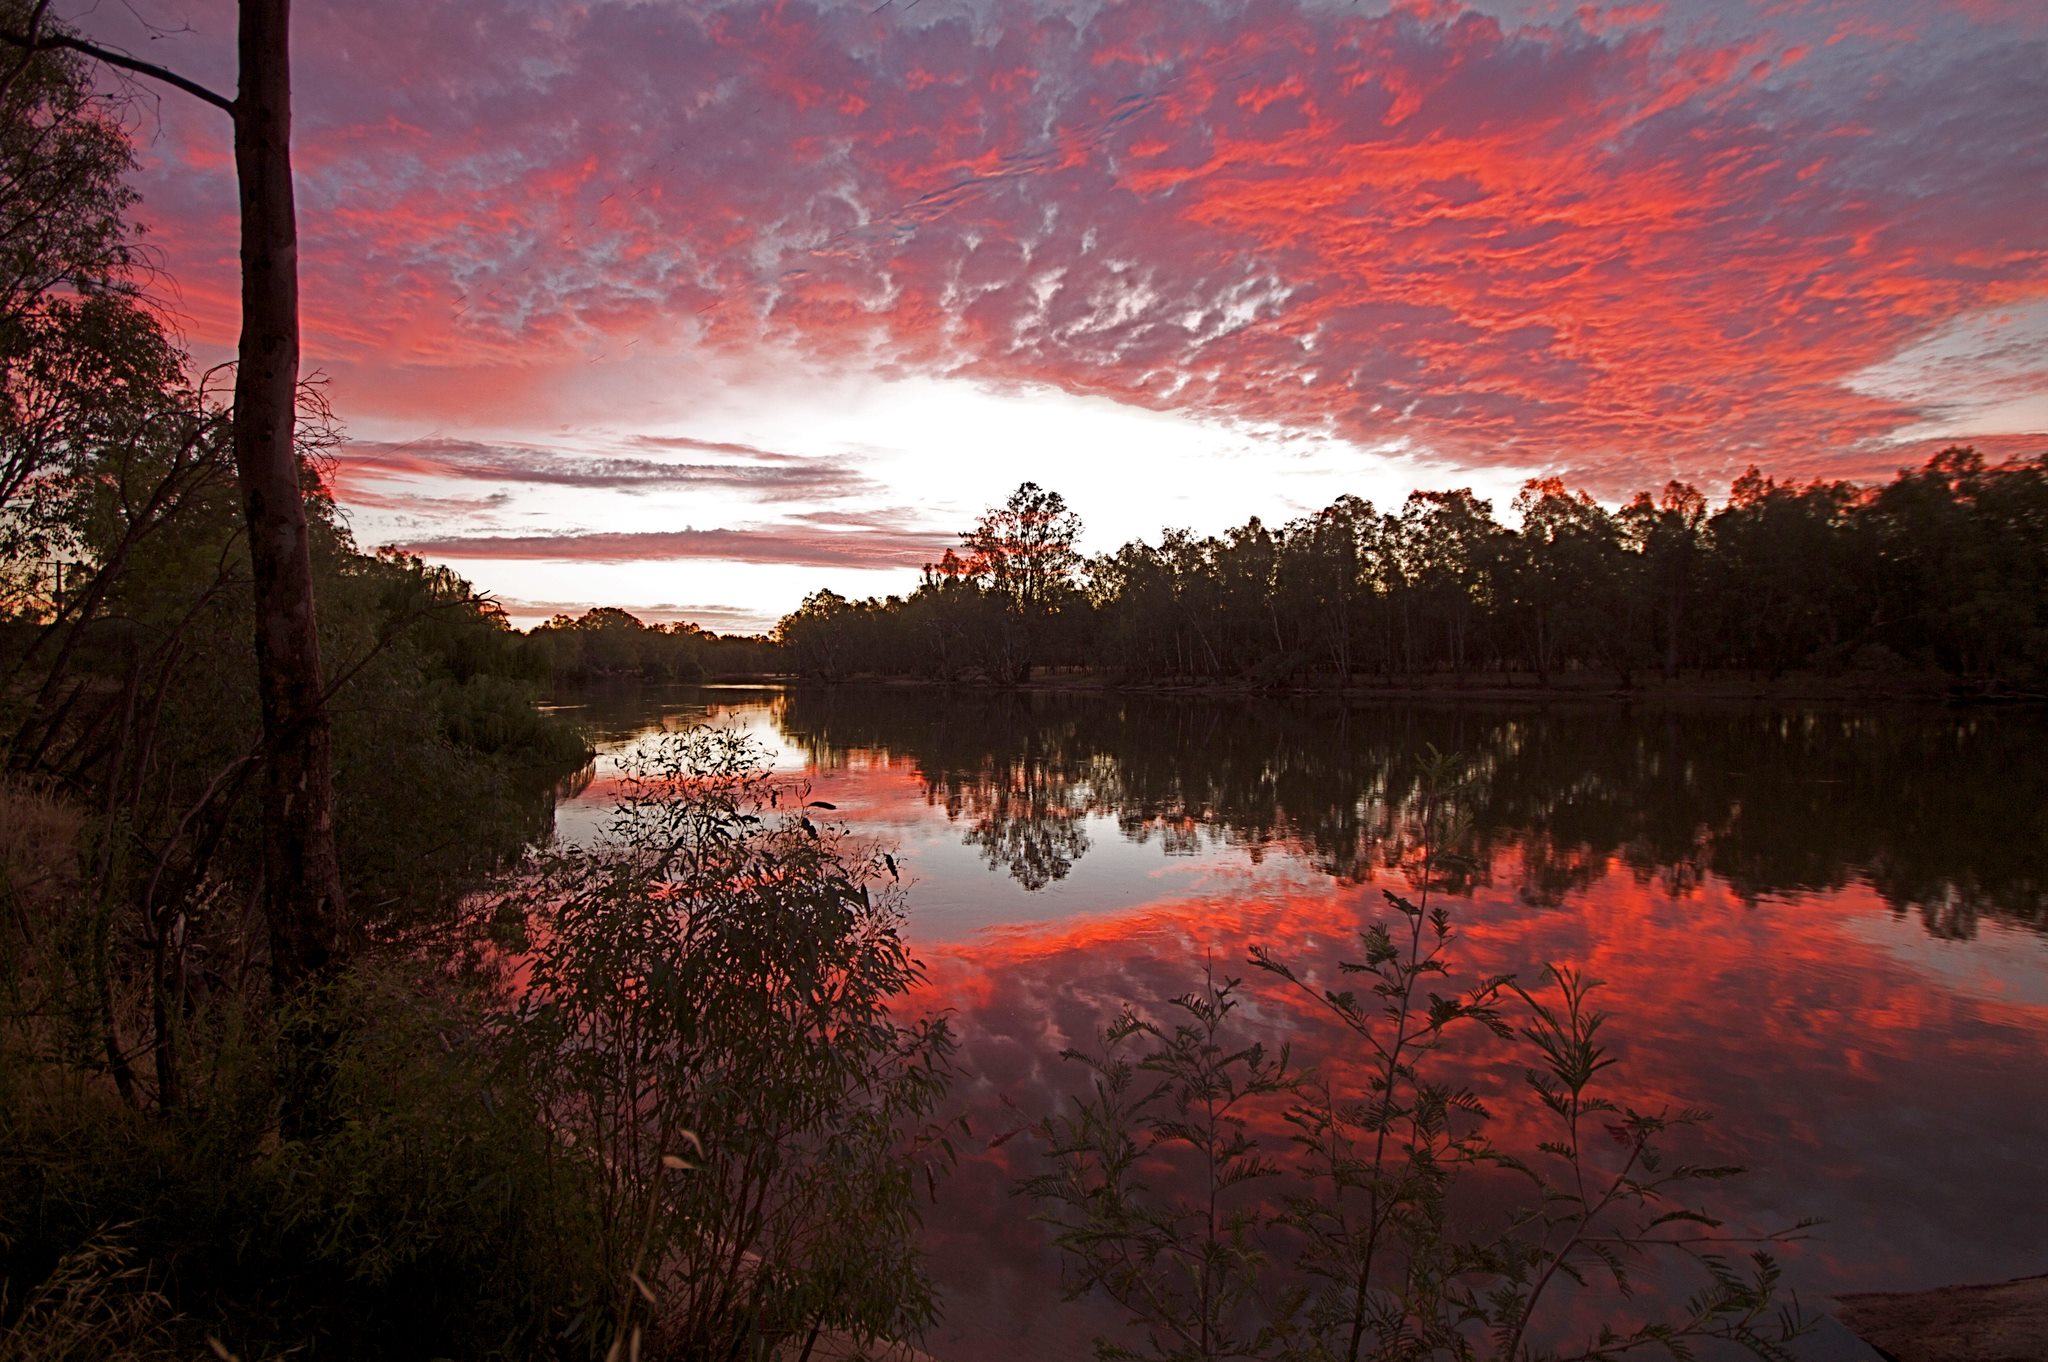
(693, 309)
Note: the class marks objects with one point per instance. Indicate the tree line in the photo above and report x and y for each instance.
(606, 643)
(1941, 572)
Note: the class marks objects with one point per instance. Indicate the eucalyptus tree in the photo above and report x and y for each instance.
(1246, 565)
(1138, 633)
(1784, 584)
(1324, 580)
(1021, 554)
(1957, 560)
(69, 347)
(1569, 577)
(302, 890)
(1448, 544)
(815, 635)
(1669, 534)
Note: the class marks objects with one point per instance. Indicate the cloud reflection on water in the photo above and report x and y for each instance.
(1824, 927)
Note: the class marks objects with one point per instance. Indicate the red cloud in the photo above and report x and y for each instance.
(1587, 244)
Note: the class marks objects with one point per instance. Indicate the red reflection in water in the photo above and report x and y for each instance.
(1867, 1069)
(1854, 1087)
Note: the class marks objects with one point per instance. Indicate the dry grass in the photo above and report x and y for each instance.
(95, 1307)
(39, 835)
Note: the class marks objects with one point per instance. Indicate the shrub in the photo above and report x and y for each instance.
(709, 1027)
(421, 1217)
(1164, 1190)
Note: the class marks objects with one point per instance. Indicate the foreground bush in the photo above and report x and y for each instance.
(1239, 1208)
(684, 1125)
(708, 1025)
(420, 1217)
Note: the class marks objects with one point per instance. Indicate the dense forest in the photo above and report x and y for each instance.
(1941, 573)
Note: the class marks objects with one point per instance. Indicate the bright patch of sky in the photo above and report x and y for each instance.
(695, 309)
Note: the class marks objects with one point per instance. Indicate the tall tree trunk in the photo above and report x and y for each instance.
(302, 898)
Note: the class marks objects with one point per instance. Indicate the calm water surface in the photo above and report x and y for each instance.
(1830, 927)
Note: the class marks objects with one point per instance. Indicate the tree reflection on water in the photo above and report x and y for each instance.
(1826, 926)
(1944, 814)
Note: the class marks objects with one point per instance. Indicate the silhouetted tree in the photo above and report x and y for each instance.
(1568, 574)
(1785, 588)
(302, 889)
(1668, 535)
(1449, 549)
(1021, 556)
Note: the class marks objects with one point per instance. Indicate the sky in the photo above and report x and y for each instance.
(695, 308)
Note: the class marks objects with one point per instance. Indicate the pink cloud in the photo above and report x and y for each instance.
(1624, 237)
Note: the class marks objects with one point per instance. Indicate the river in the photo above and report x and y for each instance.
(1828, 926)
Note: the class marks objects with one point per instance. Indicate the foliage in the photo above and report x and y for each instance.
(435, 697)
(708, 1016)
(1188, 1266)
(95, 1306)
(1385, 1259)
(608, 644)
(1939, 577)
(63, 198)
(421, 1219)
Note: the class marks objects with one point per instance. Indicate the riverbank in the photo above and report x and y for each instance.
(2005, 1322)
(1514, 688)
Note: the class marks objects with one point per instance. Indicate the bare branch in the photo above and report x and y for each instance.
(33, 41)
